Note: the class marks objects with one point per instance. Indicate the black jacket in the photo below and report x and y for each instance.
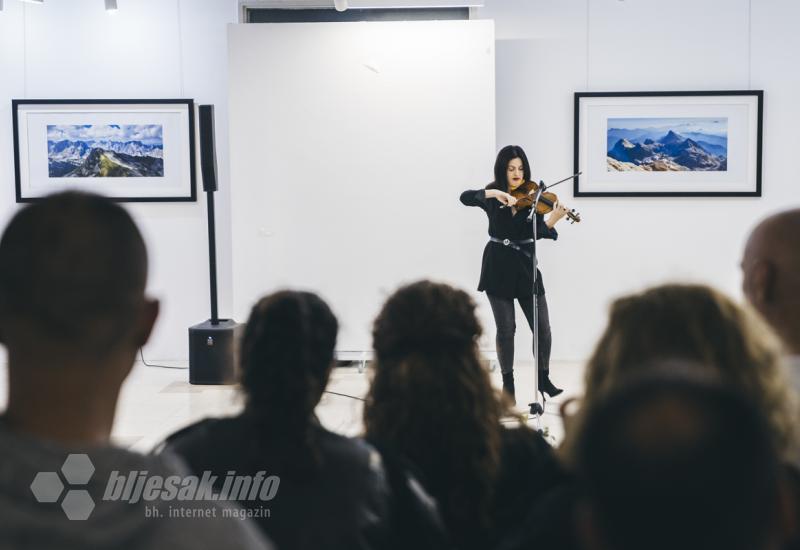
(528, 470)
(348, 502)
(506, 272)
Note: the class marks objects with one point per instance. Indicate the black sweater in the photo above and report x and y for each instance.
(506, 272)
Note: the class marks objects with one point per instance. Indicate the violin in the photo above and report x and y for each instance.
(526, 193)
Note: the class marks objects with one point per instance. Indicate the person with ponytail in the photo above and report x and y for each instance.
(333, 492)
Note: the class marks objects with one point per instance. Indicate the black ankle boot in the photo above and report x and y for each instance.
(546, 386)
(508, 385)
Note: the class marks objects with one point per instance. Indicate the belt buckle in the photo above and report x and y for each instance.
(506, 242)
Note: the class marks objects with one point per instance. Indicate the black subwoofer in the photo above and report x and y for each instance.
(214, 352)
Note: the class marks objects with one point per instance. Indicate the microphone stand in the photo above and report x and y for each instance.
(536, 408)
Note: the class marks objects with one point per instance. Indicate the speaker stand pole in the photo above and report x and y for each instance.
(213, 344)
(212, 257)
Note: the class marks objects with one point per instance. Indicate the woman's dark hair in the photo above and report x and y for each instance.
(431, 400)
(506, 155)
(286, 359)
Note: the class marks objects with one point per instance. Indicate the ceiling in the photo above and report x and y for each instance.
(289, 4)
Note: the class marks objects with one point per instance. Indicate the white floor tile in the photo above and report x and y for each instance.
(155, 402)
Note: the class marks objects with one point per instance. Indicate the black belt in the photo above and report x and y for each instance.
(513, 244)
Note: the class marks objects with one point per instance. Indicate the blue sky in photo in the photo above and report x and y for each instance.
(715, 126)
(149, 134)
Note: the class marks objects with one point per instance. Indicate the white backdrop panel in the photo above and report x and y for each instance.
(350, 144)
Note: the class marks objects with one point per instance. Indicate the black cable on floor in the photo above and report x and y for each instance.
(345, 395)
(155, 365)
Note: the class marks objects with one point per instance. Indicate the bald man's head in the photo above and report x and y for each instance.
(771, 270)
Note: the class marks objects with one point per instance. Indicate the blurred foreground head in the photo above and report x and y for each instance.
(73, 269)
(670, 463)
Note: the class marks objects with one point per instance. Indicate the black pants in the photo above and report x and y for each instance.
(504, 318)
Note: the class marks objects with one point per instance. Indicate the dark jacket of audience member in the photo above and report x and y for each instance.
(431, 402)
(334, 492)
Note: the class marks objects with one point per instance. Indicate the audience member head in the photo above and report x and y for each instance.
(668, 462)
(287, 355)
(431, 400)
(695, 324)
(73, 312)
(73, 275)
(771, 274)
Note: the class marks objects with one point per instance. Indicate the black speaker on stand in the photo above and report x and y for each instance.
(213, 344)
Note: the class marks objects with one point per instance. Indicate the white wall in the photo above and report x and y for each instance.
(545, 51)
(548, 50)
(149, 49)
(351, 145)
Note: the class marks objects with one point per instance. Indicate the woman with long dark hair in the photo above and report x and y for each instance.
(507, 270)
(432, 403)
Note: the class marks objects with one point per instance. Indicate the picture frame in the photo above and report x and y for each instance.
(668, 144)
(130, 150)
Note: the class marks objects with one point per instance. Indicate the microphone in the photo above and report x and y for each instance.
(539, 192)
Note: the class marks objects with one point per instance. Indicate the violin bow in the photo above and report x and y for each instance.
(556, 183)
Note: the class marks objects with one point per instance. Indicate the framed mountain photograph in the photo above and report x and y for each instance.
(128, 150)
(636, 144)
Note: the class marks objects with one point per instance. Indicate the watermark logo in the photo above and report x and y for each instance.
(48, 487)
(137, 486)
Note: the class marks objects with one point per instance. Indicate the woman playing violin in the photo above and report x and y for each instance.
(507, 271)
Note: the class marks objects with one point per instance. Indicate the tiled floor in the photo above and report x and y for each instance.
(157, 401)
